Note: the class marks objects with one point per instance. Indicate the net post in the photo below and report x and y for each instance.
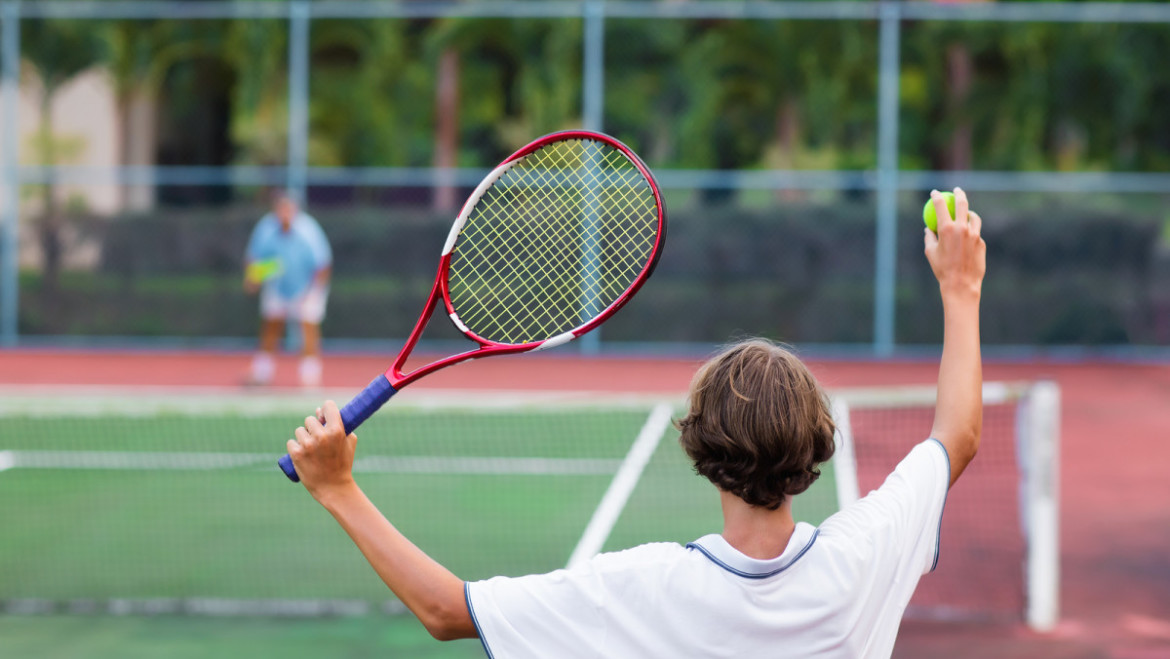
(1038, 423)
(844, 460)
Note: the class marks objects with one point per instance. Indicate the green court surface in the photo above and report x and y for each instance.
(104, 637)
(181, 511)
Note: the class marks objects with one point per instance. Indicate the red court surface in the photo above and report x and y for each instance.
(1115, 497)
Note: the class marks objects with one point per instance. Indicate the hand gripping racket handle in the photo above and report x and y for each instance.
(353, 415)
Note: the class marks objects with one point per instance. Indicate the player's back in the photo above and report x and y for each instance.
(835, 591)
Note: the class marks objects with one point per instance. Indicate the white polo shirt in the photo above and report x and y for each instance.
(838, 590)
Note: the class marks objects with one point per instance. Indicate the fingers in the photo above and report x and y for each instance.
(303, 437)
(313, 425)
(941, 211)
(316, 427)
(303, 442)
(976, 222)
(332, 415)
(961, 208)
(930, 239)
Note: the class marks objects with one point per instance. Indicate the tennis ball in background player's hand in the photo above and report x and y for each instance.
(261, 271)
(928, 214)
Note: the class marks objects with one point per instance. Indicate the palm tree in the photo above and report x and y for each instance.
(515, 80)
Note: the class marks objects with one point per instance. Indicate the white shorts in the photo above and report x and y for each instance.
(308, 308)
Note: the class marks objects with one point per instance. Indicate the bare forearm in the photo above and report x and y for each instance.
(958, 416)
(428, 589)
(322, 276)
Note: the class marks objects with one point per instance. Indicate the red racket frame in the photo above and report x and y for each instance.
(384, 386)
(487, 348)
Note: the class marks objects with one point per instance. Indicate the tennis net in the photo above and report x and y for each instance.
(998, 550)
(170, 503)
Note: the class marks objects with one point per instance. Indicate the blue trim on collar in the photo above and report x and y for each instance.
(475, 620)
(938, 535)
(755, 575)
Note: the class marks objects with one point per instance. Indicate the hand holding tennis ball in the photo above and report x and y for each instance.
(930, 217)
(955, 250)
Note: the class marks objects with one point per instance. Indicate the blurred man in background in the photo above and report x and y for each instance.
(288, 262)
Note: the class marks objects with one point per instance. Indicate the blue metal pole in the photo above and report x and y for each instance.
(298, 97)
(298, 120)
(593, 73)
(10, 188)
(593, 102)
(885, 261)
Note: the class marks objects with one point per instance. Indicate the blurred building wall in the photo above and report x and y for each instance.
(85, 133)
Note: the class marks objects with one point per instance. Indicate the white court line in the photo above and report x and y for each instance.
(622, 486)
(54, 401)
(133, 460)
(200, 606)
(487, 466)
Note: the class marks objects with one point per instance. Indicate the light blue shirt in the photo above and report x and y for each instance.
(301, 251)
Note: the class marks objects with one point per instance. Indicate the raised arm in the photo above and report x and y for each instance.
(957, 255)
(323, 456)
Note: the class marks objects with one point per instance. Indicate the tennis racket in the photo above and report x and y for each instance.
(550, 245)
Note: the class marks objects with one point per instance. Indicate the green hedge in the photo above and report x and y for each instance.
(801, 272)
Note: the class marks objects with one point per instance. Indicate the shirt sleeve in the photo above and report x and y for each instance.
(318, 244)
(904, 516)
(536, 615)
(256, 242)
(915, 495)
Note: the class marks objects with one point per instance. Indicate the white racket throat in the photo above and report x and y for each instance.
(458, 323)
(486, 183)
(555, 341)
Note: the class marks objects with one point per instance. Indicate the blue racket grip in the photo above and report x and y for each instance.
(353, 415)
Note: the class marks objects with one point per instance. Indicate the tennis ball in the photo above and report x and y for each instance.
(928, 214)
(261, 271)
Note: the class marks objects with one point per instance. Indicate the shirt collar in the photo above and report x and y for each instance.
(729, 558)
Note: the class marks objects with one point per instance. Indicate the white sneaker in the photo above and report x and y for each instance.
(310, 372)
(263, 368)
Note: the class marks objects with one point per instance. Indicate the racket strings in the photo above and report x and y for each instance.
(551, 244)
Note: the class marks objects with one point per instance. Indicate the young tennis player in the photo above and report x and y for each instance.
(758, 427)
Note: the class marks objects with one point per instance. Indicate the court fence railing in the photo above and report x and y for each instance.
(886, 180)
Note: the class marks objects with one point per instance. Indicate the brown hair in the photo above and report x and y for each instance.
(759, 423)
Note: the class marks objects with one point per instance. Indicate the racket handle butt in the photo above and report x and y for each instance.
(286, 465)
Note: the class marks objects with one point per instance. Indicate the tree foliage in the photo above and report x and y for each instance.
(710, 94)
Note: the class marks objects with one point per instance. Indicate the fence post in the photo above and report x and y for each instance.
(885, 258)
(298, 97)
(593, 101)
(10, 187)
